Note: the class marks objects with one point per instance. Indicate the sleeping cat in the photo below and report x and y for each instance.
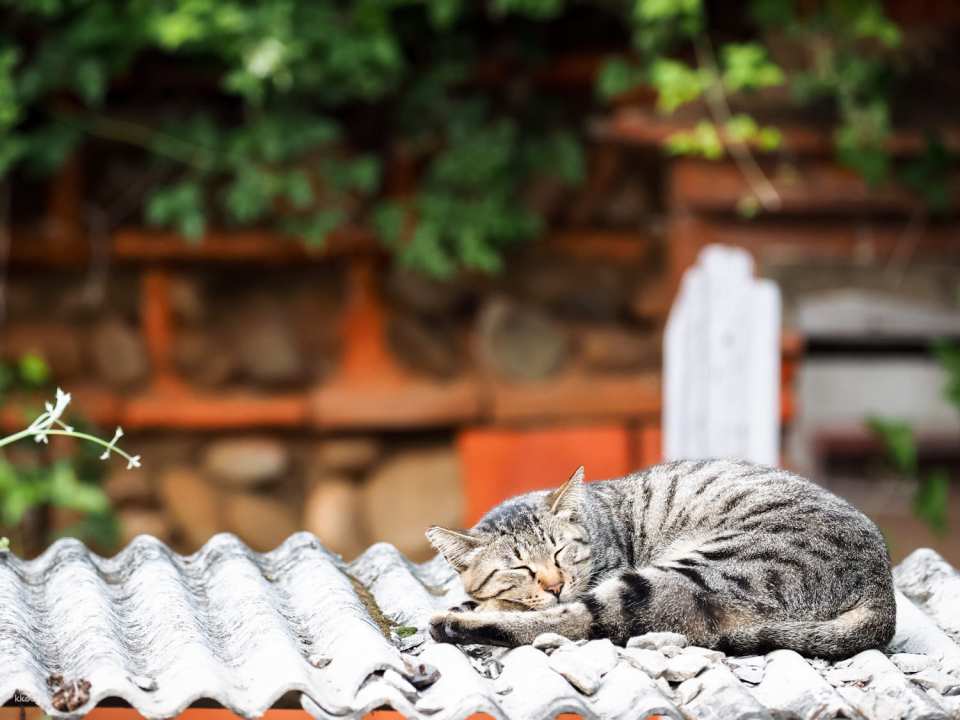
(735, 556)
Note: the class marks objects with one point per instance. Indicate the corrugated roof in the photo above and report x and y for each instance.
(163, 631)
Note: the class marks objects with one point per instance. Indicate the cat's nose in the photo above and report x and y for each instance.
(555, 589)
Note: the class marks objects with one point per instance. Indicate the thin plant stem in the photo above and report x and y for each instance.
(80, 436)
(719, 109)
(10, 439)
(148, 138)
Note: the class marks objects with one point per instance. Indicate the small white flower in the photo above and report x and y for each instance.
(116, 436)
(134, 462)
(46, 420)
(61, 402)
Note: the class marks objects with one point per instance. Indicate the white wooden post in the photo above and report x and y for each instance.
(721, 362)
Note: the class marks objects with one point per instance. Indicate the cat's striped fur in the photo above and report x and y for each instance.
(736, 556)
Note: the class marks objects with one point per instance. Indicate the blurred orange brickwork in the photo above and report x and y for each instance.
(498, 464)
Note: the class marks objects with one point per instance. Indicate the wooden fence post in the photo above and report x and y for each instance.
(722, 362)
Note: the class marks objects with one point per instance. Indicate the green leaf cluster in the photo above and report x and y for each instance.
(855, 63)
(300, 102)
(22, 489)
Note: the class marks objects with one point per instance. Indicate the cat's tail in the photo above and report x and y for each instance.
(863, 627)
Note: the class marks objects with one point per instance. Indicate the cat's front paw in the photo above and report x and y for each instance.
(448, 627)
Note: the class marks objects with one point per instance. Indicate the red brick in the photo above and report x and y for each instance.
(498, 464)
(157, 321)
(185, 410)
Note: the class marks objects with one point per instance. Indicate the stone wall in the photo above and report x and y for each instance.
(351, 490)
(214, 371)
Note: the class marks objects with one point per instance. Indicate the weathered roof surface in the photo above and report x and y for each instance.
(162, 631)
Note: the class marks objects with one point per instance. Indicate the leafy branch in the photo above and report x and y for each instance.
(298, 107)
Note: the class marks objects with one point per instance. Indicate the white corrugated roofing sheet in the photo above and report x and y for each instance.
(162, 631)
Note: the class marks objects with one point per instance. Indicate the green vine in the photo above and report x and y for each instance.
(282, 113)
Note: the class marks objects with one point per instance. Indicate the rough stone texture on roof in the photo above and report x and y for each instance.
(162, 631)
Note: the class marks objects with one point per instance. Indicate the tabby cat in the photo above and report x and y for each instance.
(740, 557)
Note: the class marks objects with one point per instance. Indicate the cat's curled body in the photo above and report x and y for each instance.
(736, 556)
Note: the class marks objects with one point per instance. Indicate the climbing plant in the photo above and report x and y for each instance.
(283, 112)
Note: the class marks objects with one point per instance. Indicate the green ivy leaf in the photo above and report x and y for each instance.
(746, 66)
(389, 219)
(19, 499)
(665, 10)
(676, 83)
(363, 174)
(250, 195)
(776, 14)
(704, 141)
(444, 13)
(299, 189)
(558, 154)
(8, 477)
(67, 491)
(317, 226)
(33, 369)
(425, 251)
(617, 77)
(181, 205)
(91, 79)
(929, 174)
(477, 254)
(931, 500)
(10, 110)
(870, 22)
(898, 442)
(948, 355)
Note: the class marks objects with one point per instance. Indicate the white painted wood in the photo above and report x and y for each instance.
(722, 362)
(856, 313)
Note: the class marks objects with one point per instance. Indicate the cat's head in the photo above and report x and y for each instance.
(533, 552)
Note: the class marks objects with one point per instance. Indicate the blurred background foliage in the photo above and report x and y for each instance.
(316, 100)
(900, 446)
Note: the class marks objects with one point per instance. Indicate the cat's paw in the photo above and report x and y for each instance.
(448, 627)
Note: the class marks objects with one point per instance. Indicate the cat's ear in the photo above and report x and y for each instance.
(566, 500)
(456, 547)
